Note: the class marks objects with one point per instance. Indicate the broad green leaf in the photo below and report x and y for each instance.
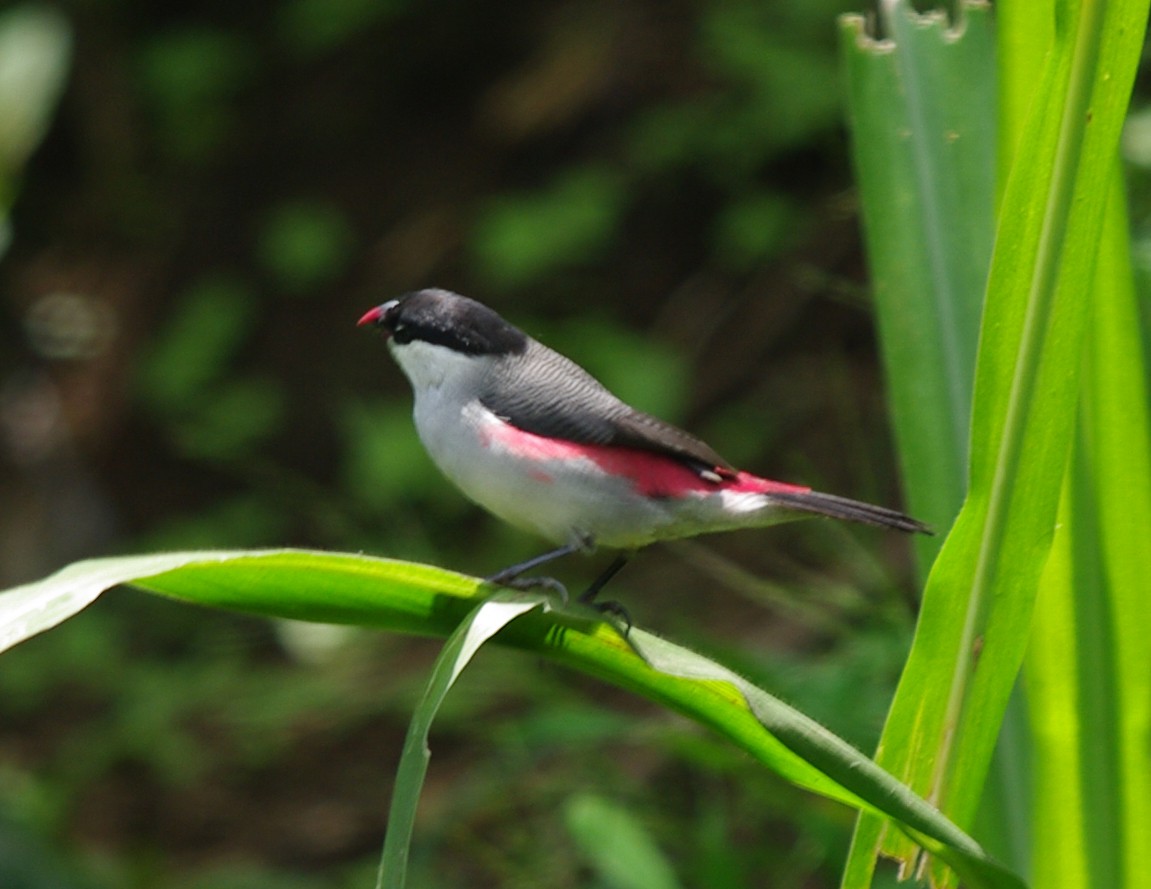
(1026, 31)
(1117, 429)
(1087, 677)
(378, 593)
(371, 592)
(980, 597)
(35, 607)
(921, 106)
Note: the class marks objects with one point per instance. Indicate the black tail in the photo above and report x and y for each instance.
(851, 510)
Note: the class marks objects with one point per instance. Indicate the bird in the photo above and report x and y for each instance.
(536, 440)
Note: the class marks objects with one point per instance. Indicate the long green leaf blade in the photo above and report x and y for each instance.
(1089, 688)
(371, 592)
(980, 597)
(926, 171)
(1119, 424)
(477, 628)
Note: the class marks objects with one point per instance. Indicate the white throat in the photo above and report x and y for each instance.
(430, 367)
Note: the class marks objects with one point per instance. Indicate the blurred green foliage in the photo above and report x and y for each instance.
(189, 78)
(303, 245)
(622, 851)
(212, 412)
(519, 239)
(192, 352)
(311, 27)
(775, 92)
(755, 226)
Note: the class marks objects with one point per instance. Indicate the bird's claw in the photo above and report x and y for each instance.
(612, 608)
(531, 583)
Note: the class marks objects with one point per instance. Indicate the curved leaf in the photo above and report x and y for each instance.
(373, 592)
(482, 624)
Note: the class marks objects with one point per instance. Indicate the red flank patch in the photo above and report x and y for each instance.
(653, 474)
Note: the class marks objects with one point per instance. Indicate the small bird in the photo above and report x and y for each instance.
(536, 440)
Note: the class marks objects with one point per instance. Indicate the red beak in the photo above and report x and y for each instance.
(371, 316)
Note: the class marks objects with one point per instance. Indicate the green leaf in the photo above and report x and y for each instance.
(372, 592)
(923, 140)
(979, 602)
(482, 624)
(1088, 686)
(1116, 425)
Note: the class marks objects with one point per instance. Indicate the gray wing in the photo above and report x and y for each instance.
(545, 393)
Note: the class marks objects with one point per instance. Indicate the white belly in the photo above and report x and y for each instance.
(565, 501)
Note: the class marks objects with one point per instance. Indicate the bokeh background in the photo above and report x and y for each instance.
(662, 190)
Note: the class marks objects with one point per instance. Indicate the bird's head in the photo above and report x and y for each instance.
(443, 318)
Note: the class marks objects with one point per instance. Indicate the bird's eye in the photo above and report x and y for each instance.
(388, 312)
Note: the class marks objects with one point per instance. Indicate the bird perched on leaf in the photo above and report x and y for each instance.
(533, 438)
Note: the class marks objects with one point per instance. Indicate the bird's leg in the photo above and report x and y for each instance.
(588, 595)
(616, 608)
(511, 576)
(512, 572)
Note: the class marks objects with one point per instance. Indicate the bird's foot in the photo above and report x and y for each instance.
(611, 609)
(608, 608)
(530, 583)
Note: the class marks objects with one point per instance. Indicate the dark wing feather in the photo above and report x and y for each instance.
(545, 393)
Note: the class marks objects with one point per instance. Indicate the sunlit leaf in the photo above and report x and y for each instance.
(383, 593)
(979, 602)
